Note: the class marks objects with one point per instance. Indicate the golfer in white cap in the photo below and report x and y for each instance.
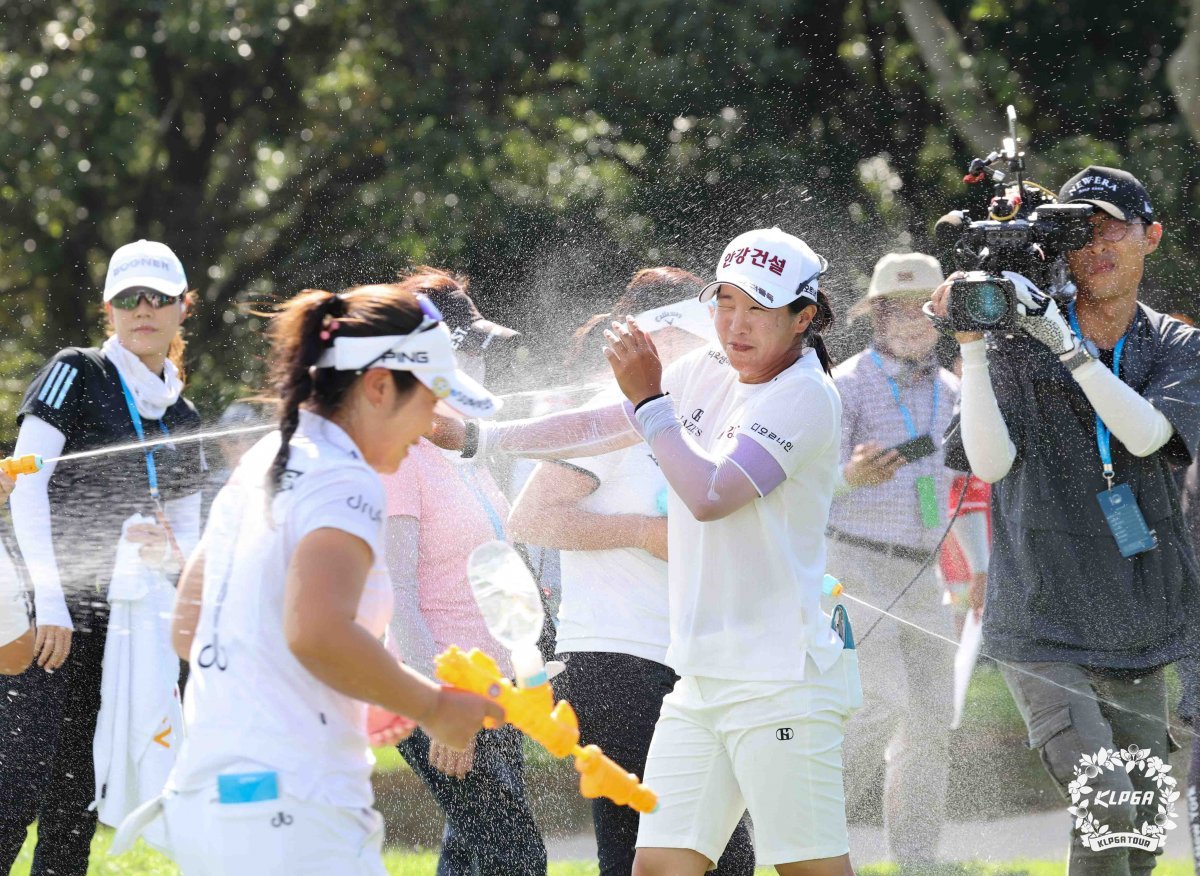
(746, 432)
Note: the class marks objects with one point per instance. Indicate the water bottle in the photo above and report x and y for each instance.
(508, 600)
(831, 586)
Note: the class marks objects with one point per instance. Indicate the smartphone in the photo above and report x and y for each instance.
(917, 448)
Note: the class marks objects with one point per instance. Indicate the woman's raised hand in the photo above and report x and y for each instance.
(634, 361)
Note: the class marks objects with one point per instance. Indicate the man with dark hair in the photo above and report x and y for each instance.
(1093, 588)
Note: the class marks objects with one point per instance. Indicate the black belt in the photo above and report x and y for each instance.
(917, 555)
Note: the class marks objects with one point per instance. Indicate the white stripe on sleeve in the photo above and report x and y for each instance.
(51, 384)
(66, 387)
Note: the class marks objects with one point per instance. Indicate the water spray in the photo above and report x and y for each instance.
(31, 463)
(832, 587)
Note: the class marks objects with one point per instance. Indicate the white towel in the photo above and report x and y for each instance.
(964, 664)
(140, 726)
(151, 393)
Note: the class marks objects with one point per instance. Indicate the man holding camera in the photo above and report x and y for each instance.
(885, 523)
(1077, 417)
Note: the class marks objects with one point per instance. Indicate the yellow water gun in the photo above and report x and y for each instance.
(19, 465)
(532, 710)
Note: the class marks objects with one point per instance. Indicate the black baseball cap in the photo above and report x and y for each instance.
(469, 331)
(1117, 192)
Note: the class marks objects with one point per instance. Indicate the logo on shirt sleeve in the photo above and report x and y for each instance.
(58, 384)
(763, 431)
(360, 503)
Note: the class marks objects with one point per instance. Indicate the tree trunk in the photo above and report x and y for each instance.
(975, 115)
(1183, 73)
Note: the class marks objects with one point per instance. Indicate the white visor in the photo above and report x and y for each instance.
(428, 354)
(690, 316)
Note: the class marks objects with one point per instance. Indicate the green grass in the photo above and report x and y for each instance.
(144, 861)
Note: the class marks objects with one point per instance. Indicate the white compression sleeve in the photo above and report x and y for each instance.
(985, 437)
(414, 642)
(30, 503)
(970, 531)
(710, 487)
(1138, 425)
(567, 435)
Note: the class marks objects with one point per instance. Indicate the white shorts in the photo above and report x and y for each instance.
(14, 615)
(286, 835)
(774, 748)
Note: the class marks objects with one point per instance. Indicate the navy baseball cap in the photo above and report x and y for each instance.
(1118, 193)
(469, 331)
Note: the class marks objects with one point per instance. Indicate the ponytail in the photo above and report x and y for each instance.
(818, 343)
(821, 322)
(299, 327)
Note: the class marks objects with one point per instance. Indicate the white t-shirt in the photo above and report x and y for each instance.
(264, 710)
(14, 611)
(616, 600)
(745, 591)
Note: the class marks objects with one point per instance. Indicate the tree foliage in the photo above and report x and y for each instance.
(546, 149)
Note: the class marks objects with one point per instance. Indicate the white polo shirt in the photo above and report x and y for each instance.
(745, 590)
(250, 704)
(615, 600)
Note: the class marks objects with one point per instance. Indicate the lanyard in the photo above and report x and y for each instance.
(1103, 435)
(909, 423)
(152, 472)
(482, 499)
(151, 469)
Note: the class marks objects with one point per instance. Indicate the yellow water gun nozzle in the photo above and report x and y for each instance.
(19, 465)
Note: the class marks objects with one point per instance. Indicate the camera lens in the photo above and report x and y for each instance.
(986, 303)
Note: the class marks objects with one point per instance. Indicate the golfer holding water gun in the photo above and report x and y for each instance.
(756, 721)
(282, 609)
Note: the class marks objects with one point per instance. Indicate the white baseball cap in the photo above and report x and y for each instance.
(144, 263)
(909, 274)
(771, 266)
(690, 316)
(428, 353)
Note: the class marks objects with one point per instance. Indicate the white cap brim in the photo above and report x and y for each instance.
(462, 393)
(760, 295)
(689, 316)
(158, 284)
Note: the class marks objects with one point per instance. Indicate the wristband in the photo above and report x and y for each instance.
(647, 400)
(1077, 358)
(657, 415)
(470, 439)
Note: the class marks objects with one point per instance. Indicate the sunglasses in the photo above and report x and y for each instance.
(430, 314)
(131, 298)
(1114, 230)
